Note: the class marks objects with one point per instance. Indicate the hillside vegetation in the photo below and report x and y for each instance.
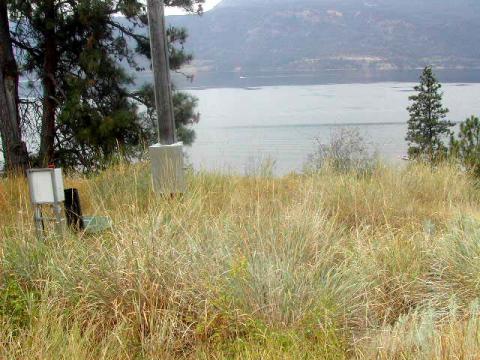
(317, 35)
(328, 265)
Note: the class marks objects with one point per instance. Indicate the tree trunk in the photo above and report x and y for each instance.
(14, 149)
(50, 61)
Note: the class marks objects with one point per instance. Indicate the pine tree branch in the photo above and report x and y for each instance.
(126, 31)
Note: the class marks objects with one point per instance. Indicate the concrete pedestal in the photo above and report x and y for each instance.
(168, 168)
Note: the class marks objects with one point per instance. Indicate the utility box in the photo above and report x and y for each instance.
(168, 168)
(46, 186)
(46, 189)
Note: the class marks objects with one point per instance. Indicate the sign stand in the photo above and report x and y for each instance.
(46, 188)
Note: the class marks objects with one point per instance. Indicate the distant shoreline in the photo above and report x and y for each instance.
(254, 80)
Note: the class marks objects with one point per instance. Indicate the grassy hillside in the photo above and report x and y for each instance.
(319, 35)
(302, 267)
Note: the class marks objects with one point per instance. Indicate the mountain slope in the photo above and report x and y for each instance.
(335, 34)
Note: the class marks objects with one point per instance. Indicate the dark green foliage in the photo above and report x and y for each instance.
(16, 303)
(427, 127)
(98, 115)
(466, 146)
(185, 115)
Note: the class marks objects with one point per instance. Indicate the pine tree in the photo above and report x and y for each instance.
(466, 146)
(85, 55)
(427, 126)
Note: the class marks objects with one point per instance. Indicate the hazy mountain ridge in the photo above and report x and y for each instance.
(306, 35)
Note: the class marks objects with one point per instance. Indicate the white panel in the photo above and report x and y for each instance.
(41, 187)
(168, 168)
(59, 183)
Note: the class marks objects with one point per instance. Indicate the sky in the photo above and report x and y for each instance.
(209, 4)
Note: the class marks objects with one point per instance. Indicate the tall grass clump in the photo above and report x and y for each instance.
(328, 264)
(346, 151)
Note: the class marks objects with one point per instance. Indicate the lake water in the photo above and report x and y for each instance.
(247, 119)
(242, 127)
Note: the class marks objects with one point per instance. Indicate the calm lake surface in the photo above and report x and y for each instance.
(242, 127)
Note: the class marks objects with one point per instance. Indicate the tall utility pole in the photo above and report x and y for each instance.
(161, 71)
(167, 157)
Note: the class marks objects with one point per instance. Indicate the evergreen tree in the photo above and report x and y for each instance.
(184, 106)
(14, 150)
(85, 54)
(466, 146)
(427, 126)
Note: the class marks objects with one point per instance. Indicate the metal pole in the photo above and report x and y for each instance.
(161, 72)
(39, 226)
(57, 207)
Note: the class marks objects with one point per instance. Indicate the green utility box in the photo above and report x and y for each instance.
(96, 224)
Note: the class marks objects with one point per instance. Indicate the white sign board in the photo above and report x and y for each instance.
(46, 186)
(168, 168)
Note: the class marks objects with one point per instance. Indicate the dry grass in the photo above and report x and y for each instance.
(320, 266)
